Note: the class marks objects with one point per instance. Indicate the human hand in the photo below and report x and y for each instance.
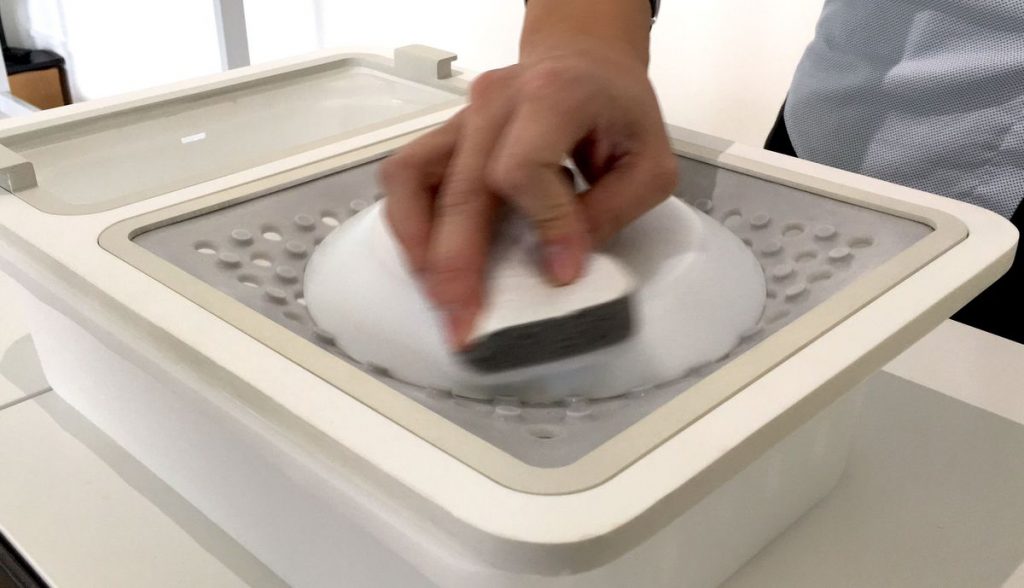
(446, 189)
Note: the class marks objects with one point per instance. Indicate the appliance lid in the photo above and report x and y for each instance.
(101, 157)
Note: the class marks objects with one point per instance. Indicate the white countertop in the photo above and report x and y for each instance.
(85, 513)
(931, 496)
(12, 328)
(933, 493)
(970, 365)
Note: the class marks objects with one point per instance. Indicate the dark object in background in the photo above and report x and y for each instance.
(999, 309)
(36, 76)
(14, 570)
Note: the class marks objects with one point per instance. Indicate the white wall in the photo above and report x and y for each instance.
(720, 66)
(724, 66)
(279, 29)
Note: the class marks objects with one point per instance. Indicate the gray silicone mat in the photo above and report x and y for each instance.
(809, 246)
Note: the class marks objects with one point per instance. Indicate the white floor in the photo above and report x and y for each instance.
(933, 494)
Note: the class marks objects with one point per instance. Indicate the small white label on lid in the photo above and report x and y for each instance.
(193, 138)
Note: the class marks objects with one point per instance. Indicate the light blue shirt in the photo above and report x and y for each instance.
(924, 93)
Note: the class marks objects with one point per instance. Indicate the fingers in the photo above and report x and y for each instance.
(546, 197)
(445, 190)
(527, 172)
(592, 159)
(410, 179)
(465, 211)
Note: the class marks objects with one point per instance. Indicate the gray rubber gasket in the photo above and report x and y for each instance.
(809, 246)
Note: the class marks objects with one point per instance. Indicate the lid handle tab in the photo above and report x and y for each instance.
(424, 64)
(16, 172)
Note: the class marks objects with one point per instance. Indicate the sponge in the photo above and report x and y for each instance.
(527, 321)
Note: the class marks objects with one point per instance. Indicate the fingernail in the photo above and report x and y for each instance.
(455, 326)
(559, 263)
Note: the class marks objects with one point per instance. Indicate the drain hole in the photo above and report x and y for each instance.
(249, 280)
(861, 242)
(261, 260)
(806, 256)
(205, 248)
(330, 220)
(820, 276)
(793, 230)
(271, 235)
(544, 433)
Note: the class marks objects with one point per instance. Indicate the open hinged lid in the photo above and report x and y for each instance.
(100, 157)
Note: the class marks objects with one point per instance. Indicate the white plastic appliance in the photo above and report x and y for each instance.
(334, 473)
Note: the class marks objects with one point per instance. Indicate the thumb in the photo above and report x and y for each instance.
(632, 187)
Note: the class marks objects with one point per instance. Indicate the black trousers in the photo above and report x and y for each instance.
(999, 309)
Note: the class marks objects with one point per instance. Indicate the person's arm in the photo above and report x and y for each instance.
(550, 24)
(580, 90)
